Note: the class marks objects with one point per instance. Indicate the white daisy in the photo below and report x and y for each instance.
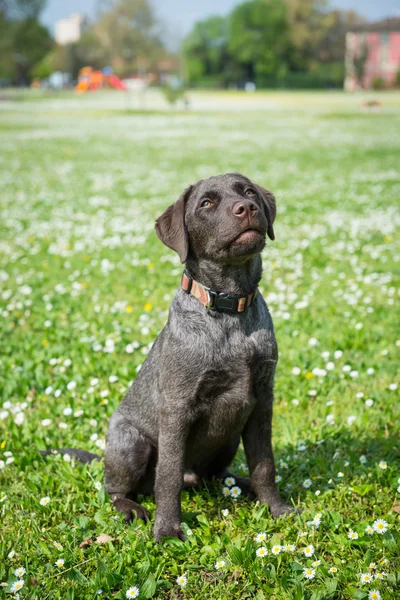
(309, 550)
(307, 483)
(133, 592)
(19, 572)
(44, 501)
(309, 573)
(366, 578)
(261, 537)
(229, 481)
(182, 580)
(219, 564)
(235, 492)
(352, 535)
(380, 526)
(276, 549)
(17, 585)
(374, 595)
(261, 552)
(59, 562)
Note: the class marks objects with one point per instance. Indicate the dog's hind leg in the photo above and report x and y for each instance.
(126, 462)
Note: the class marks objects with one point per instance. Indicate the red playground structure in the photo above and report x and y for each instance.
(90, 80)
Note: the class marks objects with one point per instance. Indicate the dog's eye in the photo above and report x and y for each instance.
(206, 203)
(250, 193)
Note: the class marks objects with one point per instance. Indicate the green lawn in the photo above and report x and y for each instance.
(85, 289)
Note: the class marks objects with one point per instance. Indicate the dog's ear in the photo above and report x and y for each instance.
(171, 227)
(269, 207)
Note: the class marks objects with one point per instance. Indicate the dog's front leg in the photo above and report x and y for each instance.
(169, 478)
(260, 458)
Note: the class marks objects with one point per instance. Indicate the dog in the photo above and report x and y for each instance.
(208, 379)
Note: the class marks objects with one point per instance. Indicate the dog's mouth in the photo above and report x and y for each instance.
(249, 235)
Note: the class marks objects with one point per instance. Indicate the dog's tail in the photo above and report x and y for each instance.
(82, 455)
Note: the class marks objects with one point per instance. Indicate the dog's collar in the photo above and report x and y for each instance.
(216, 301)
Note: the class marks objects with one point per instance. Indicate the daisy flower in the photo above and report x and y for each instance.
(219, 564)
(19, 572)
(309, 550)
(225, 512)
(97, 485)
(60, 562)
(307, 483)
(380, 575)
(57, 545)
(372, 566)
(289, 547)
(351, 420)
(309, 573)
(226, 491)
(181, 580)
(133, 592)
(380, 526)
(369, 530)
(365, 578)
(276, 549)
(261, 552)
(44, 501)
(229, 481)
(17, 585)
(352, 535)
(332, 570)
(383, 465)
(374, 595)
(235, 492)
(316, 563)
(261, 537)
(363, 459)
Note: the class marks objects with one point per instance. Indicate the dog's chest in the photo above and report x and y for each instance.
(227, 386)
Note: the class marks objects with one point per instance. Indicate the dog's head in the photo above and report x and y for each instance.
(224, 218)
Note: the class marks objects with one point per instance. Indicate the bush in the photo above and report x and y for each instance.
(378, 83)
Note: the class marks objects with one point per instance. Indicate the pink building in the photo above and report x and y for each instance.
(373, 54)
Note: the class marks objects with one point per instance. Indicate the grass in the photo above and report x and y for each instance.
(85, 289)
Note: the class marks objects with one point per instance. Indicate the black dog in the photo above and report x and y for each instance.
(209, 376)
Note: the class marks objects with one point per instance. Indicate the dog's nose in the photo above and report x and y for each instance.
(244, 208)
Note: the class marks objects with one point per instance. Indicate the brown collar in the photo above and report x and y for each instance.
(216, 301)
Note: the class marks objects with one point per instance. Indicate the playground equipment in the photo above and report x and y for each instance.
(90, 80)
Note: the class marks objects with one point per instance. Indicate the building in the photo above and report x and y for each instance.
(373, 55)
(69, 30)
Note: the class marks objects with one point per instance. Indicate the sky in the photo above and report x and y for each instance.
(180, 15)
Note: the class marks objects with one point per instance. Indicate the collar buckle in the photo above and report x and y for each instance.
(219, 301)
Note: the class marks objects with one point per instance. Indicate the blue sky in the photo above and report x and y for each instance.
(180, 15)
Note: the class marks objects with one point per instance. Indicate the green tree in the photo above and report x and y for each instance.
(257, 38)
(205, 51)
(23, 40)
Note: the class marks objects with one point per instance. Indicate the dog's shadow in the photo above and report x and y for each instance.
(302, 470)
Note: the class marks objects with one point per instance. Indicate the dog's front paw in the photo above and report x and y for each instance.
(131, 509)
(168, 530)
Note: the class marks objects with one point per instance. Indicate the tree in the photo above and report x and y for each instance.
(205, 50)
(129, 32)
(257, 38)
(23, 40)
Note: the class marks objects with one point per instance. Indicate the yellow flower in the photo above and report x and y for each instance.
(150, 266)
(3, 444)
(129, 308)
(387, 239)
(45, 343)
(148, 306)
(309, 375)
